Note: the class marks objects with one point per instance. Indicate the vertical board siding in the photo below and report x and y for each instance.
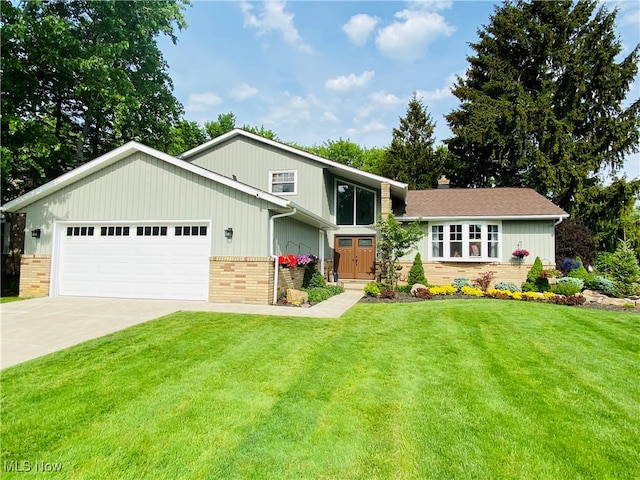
(536, 236)
(251, 163)
(294, 237)
(143, 188)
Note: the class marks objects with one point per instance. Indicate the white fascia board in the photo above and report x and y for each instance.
(324, 224)
(492, 217)
(122, 152)
(287, 148)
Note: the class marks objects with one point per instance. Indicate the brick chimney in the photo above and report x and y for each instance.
(443, 182)
(385, 200)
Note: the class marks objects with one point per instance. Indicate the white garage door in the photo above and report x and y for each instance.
(165, 261)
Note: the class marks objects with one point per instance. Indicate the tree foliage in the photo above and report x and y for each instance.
(573, 240)
(542, 102)
(395, 241)
(411, 157)
(349, 153)
(416, 273)
(80, 78)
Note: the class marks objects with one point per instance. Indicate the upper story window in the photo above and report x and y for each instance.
(283, 182)
(465, 241)
(354, 205)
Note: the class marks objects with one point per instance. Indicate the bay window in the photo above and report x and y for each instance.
(465, 241)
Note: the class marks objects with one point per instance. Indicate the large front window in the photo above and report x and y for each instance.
(354, 205)
(462, 241)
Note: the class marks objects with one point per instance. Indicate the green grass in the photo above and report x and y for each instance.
(456, 389)
(12, 299)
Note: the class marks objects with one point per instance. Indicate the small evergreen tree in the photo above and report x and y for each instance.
(416, 274)
(625, 271)
(534, 282)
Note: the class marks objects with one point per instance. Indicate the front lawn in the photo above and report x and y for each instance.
(452, 389)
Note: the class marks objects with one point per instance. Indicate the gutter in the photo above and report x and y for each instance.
(560, 219)
(272, 224)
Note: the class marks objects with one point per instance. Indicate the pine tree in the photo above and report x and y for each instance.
(416, 273)
(411, 157)
(542, 102)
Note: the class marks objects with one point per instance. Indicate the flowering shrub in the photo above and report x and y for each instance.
(474, 292)
(548, 295)
(530, 295)
(306, 259)
(520, 253)
(287, 261)
(443, 290)
(569, 264)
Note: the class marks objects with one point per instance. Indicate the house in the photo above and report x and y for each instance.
(210, 224)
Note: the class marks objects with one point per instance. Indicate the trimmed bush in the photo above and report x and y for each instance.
(460, 282)
(317, 281)
(575, 281)
(566, 288)
(512, 287)
(371, 289)
(416, 274)
(534, 282)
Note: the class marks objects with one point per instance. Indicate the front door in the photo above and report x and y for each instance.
(355, 256)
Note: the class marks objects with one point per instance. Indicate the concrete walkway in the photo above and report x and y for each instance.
(36, 327)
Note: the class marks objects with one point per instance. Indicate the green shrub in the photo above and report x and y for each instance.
(534, 282)
(317, 281)
(625, 271)
(604, 285)
(335, 289)
(512, 287)
(309, 271)
(460, 282)
(604, 262)
(403, 288)
(416, 274)
(371, 289)
(318, 294)
(575, 281)
(582, 274)
(566, 288)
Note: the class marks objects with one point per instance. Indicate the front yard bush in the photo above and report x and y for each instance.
(320, 294)
(317, 281)
(604, 285)
(512, 287)
(416, 274)
(566, 288)
(460, 282)
(371, 289)
(535, 282)
(403, 288)
(625, 271)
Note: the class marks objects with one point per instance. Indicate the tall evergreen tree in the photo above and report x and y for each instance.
(80, 78)
(411, 157)
(542, 102)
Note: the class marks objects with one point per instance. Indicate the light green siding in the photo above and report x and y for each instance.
(251, 163)
(143, 188)
(296, 238)
(538, 237)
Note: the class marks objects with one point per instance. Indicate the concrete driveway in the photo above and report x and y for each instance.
(36, 327)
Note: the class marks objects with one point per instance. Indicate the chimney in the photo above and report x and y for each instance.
(443, 182)
(385, 200)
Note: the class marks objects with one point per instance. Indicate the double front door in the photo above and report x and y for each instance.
(355, 256)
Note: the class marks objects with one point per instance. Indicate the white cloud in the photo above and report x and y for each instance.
(383, 98)
(350, 81)
(407, 38)
(199, 102)
(291, 110)
(243, 91)
(438, 94)
(374, 126)
(359, 27)
(329, 117)
(273, 17)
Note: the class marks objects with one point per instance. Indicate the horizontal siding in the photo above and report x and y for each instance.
(251, 163)
(143, 188)
(295, 238)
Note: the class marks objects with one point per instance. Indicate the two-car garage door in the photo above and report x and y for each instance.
(163, 261)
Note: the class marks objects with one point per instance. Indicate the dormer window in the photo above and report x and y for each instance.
(283, 182)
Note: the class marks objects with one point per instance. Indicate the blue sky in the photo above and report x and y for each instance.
(312, 71)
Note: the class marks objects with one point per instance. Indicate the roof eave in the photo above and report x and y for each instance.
(426, 218)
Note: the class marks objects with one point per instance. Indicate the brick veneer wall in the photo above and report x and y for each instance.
(241, 280)
(35, 275)
(443, 273)
(289, 278)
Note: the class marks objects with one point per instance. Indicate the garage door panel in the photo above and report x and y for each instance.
(160, 266)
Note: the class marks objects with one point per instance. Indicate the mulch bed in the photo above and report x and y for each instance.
(408, 298)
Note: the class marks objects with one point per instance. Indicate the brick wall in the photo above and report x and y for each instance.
(35, 275)
(443, 273)
(289, 278)
(241, 280)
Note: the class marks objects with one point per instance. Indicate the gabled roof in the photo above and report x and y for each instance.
(132, 147)
(398, 189)
(489, 203)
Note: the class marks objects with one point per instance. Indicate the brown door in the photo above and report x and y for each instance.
(355, 257)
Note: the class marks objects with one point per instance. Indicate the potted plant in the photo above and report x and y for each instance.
(520, 253)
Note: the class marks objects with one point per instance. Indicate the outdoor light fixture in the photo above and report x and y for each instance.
(228, 233)
(35, 233)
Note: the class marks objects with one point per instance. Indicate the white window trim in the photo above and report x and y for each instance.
(465, 257)
(355, 185)
(295, 182)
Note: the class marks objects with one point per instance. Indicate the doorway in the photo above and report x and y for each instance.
(355, 257)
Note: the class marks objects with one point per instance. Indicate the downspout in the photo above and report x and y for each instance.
(272, 224)
(558, 222)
